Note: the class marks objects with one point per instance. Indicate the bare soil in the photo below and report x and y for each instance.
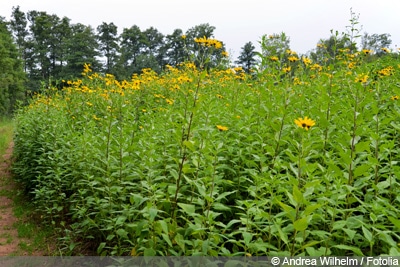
(8, 234)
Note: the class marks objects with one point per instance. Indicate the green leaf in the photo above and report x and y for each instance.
(164, 226)
(316, 253)
(110, 237)
(301, 224)
(309, 209)
(180, 241)
(387, 239)
(120, 220)
(166, 238)
(354, 222)
(100, 247)
(310, 244)
(338, 225)
(190, 145)
(122, 233)
(395, 221)
(247, 237)
(297, 195)
(361, 170)
(383, 185)
(367, 234)
(153, 213)
(220, 206)
(282, 235)
(290, 212)
(187, 208)
(394, 251)
(356, 250)
(363, 146)
(149, 252)
(350, 233)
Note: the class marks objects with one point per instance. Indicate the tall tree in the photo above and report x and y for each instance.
(246, 58)
(132, 45)
(42, 42)
(12, 76)
(153, 41)
(175, 48)
(18, 25)
(82, 47)
(62, 33)
(107, 35)
(199, 31)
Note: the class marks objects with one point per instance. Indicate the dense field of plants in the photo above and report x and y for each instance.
(299, 158)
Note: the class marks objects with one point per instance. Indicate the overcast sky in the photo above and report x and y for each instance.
(237, 22)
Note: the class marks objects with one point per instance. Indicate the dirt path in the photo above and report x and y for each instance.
(8, 234)
(18, 237)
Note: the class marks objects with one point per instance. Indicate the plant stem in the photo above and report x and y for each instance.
(301, 146)
(184, 152)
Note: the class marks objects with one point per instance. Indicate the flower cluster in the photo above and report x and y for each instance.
(204, 41)
(386, 71)
(361, 78)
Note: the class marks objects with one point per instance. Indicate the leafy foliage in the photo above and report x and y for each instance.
(11, 73)
(211, 162)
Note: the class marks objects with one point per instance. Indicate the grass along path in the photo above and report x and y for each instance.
(20, 233)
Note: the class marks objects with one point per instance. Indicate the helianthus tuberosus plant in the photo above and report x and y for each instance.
(300, 160)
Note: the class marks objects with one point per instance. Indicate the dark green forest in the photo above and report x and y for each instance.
(39, 50)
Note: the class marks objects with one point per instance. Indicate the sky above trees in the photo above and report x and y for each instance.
(236, 22)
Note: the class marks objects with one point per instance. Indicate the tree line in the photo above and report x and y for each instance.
(38, 49)
(53, 48)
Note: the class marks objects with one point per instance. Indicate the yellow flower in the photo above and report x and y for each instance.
(306, 61)
(96, 118)
(291, 52)
(208, 42)
(367, 51)
(293, 59)
(86, 69)
(384, 49)
(316, 67)
(287, 69)
(274, 58)
(169, 101)
(395, 97)
(183, 37)
(225, 54)
(386, 71)
(305, 123)
(222, 128)
(361, 78)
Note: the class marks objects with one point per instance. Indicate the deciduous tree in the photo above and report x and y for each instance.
(12, 76)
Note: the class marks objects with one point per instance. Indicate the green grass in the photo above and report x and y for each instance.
(6, 130)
